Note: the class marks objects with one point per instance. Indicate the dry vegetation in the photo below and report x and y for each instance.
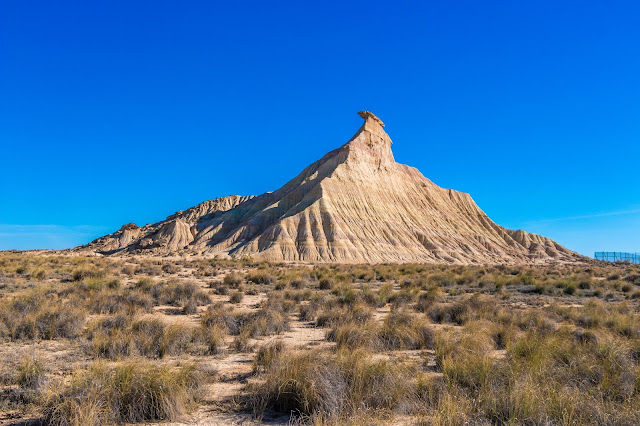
(124, 340)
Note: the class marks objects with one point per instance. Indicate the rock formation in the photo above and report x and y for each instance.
(355, 204)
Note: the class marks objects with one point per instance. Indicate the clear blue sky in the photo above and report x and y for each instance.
(118, 111)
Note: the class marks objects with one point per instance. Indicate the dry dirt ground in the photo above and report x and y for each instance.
(434, 319)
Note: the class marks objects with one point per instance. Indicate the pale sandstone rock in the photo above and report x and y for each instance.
(355, 204)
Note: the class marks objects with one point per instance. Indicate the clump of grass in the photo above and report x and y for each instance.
(156, 339)
(428, 298)
(111, 301)
(326, 284)
(400, 330)
(266, 321)
(232, 280)
(333, 314)
(214, 339)
(261, 277)
(354, 335)
(570, 288)
(182, 293)
(111, 337)
(221, 316)
(219, 288)
(121, 336)
(331, 387)
(170, 268)
(474, 307)
(38, 274)
(267, 354)
(236, 297)
(242, 342)
(30, 373)
(186, 295)
(87, 272)
(299, 283)
(309, 311)
(36, 316)
(126, 393)
(464, 358)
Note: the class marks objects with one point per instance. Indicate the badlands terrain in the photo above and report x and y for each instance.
(354, 205)
(142, 339)
(358, 293)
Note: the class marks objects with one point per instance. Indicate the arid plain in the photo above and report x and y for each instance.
(100, 340)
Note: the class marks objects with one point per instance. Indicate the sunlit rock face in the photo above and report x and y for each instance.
(355, 204)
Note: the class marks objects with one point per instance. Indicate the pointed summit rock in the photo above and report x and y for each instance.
(355, 204)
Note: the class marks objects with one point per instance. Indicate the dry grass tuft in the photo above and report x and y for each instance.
(126, 393)
(330, 387)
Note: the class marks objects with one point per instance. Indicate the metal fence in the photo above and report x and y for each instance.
(617, 256)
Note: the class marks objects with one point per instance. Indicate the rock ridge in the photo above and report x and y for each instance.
(354, 205)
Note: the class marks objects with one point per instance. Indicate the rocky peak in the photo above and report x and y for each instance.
(355, 204)
(372, 140)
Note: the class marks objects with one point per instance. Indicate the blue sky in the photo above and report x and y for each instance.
(116, 112)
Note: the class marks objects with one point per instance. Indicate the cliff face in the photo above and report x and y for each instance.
(356, 204)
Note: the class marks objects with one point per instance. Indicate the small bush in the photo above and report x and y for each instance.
(326, 284)
(220, 289)
(299, 283)
(232, 280)
(170, 268)
(236, 297)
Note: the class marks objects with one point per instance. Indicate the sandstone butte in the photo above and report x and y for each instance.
(354, 205)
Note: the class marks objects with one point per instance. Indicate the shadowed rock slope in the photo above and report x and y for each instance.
(355, 204)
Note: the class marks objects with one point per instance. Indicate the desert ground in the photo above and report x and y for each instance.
(181, 340)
